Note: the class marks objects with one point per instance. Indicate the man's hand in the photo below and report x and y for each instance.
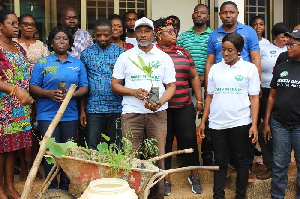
(82, 118)
(151, 107)
(140, 93)
(265, 131)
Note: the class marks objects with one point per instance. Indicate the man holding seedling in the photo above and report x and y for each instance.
(144, 67)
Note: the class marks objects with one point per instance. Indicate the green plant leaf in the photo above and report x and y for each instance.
(57, 150)
(49, 159)
(102, 148)
(105, 137)
(49, 143)
(68, 145)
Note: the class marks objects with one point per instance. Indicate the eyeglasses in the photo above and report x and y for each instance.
(291, 45)
(13, 23)
(26, 24)
(170, 31)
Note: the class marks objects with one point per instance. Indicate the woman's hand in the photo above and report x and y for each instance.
(265, 131)
(253, 132)
(23, 97)
(199, 109)
(140, 93)
(200, 130)
(56, 95)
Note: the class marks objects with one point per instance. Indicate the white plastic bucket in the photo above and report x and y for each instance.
(109, 188)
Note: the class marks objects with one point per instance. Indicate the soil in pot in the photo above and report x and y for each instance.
(62, 86)
(154, 96)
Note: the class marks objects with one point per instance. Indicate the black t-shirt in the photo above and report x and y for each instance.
(283, 57)
(286, 81)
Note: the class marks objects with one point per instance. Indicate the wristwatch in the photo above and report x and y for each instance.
(199, 102)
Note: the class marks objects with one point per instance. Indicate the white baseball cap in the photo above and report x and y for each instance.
(144, 21)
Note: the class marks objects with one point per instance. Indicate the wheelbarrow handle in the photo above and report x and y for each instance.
(211, 168)
(153, 181)
(171, 153)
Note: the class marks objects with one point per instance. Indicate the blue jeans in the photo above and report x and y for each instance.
(96, 125)
(284, 139)
(62, 133)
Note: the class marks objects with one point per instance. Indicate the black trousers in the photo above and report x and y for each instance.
(234, 141)
(181, 124)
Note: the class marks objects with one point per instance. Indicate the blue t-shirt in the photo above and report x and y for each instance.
(47, 72)
(99, 65)
(247, 32)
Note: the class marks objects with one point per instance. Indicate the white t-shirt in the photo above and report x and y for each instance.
(163, 72)
(231, 87)
(132, 41)
(268, 55)
(263, 41)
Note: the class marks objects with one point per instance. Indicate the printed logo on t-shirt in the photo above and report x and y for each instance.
(155, 64)
(273, 52)
(239, 78)
(283, 73)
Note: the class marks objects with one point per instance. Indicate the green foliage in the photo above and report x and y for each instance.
(58, 149)
(149, 148)
(114, 156)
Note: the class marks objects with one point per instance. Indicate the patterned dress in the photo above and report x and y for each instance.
(15, 128)
(34, 52)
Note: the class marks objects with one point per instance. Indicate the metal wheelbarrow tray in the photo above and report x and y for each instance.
(81, 172)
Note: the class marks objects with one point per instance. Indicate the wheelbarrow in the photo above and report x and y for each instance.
(142, 177)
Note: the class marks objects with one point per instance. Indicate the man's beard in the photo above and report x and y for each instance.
(199, 24)
(73, 29)
(228, 25)
(130, 30)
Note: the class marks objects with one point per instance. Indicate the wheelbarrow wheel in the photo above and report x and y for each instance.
(56, 194)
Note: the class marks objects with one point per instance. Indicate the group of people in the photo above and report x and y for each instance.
(231, 67)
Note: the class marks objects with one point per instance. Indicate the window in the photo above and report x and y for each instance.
(98, 9)
(46, 13)
(291, 12)
(258, 8)
(139, 6)
(9, 4)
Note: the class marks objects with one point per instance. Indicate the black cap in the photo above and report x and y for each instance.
(295, 34)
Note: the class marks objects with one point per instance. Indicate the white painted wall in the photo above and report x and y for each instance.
(181, 8)
(278, 11)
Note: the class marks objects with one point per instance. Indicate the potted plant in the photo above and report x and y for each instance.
(154, 91)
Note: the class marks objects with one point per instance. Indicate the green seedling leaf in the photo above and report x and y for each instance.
(68, 145)
(50, 143)
(57, 150)
(105, 137)
(49, 159)
(102, 148)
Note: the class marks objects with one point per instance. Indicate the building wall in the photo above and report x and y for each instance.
(182, 9)
(278, 11)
